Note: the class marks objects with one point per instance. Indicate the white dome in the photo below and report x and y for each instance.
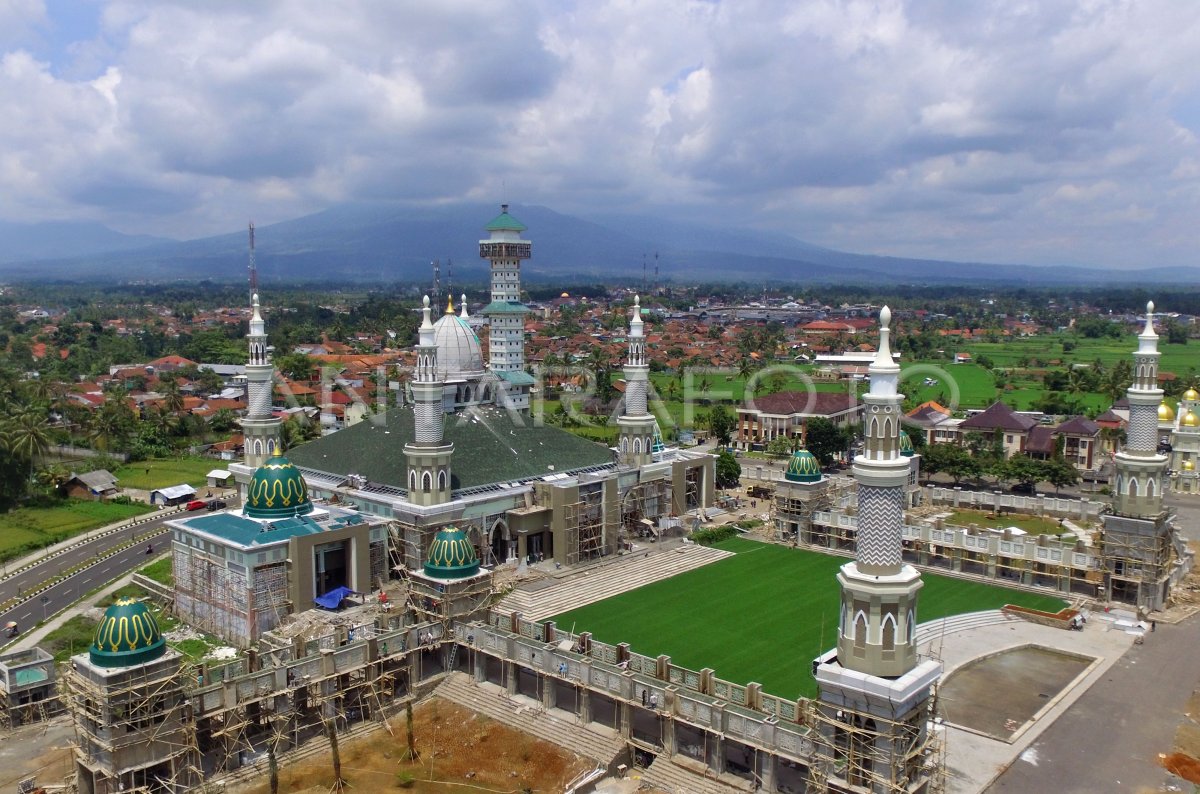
(458, 353)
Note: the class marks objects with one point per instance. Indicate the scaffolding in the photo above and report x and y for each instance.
(584, 526)
(641, 505)
(866, 751)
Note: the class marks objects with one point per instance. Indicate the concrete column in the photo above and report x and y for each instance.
(667, 726)
(522, 548)
(624, 721)
(585, 705)
(549, 689)
(510, 677)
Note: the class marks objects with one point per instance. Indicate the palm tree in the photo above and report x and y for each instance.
(172, 396)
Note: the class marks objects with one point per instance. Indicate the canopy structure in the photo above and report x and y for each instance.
(333, 599)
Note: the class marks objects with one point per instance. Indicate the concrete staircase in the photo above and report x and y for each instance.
(672, 778)
(600, 745)
(603, 581)
(931, 631)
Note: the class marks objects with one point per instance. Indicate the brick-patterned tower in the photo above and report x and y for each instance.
(636, 422)
(1140, 469)
(428, 455)
(874, 692)
(260, 428)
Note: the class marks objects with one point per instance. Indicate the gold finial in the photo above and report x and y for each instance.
(449, 304)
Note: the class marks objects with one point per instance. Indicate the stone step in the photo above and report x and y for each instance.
(524, 715)
(672, 778)
(927, 632)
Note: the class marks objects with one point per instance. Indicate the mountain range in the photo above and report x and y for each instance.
(388, 243)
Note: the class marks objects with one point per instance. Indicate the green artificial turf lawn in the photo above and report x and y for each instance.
(762, 615)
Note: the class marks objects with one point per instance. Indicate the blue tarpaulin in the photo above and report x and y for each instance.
(333, 599)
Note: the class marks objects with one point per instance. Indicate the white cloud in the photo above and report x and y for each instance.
(1050, 132)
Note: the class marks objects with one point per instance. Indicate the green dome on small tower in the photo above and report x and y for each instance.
(127, 635)
(277, 490)
(451, 555)
(803, 467)
(906, 447)
(657, 445)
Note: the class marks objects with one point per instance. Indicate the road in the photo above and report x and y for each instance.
(1109, 740)
(74, 587)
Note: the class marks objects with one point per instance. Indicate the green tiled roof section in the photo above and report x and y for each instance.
(516, 378)
(489, 447)
(505, 223)
(504, 307)
(245, 532)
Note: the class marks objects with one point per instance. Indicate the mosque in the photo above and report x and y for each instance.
(464, 450)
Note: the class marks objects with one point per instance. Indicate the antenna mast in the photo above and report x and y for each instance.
(437, 281)
(253, 267)
(449, 276)
(656, 271)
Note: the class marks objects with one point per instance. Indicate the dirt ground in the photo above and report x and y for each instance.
(41, 750)
(460, 751)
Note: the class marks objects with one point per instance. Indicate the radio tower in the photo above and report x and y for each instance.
(253, 267)
(656, 271)
(449, 276)
(437, 281)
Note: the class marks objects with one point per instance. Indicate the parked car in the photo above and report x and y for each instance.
(217, 504)
(196, 504)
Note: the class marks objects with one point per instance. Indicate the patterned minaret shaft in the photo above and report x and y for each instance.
(879, 591)
(1140, 469)
(636, 423)
(428, 456)
(881, 470)
(260, 428)
(427, 392)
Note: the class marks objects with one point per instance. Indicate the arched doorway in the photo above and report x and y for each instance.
(500, 543)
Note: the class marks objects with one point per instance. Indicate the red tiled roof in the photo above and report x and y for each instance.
(801, 402)
(999, 415)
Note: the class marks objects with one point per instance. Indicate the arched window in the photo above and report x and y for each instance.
(1151, 486)
(860, 629)
(887, 630)
(912, 627)
(426, 482)
(412, 480)
(442, 480)
(637, 446)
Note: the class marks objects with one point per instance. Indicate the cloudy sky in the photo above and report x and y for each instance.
(1041, 131)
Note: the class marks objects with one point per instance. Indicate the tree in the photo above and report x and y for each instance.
(1177, 333)
(721, 421)
(296, 366)
(1059, 473)
(950, 459)
(825, 439)
(729, 471)
(1020, 469)
(781, 445)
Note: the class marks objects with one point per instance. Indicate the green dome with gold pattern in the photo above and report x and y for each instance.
(906, 447)
(451, 555)
(277, 490)
(127, 635)
(803, 467)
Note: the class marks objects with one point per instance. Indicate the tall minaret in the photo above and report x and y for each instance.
(636, 422)
(879, 592)
(875, 694)
(1140, 469)
(427, 455)
(506, 346)
(260, 428)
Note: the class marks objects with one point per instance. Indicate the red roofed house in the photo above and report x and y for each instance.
(1013, 427)
(787, 414)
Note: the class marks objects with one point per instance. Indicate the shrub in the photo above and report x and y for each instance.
(708, 537)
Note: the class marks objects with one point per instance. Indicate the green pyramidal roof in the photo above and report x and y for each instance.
(505, 222)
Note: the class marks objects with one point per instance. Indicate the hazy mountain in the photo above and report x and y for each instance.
(23, 242)
(376, 242)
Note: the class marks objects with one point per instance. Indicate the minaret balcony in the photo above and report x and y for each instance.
(503, 250)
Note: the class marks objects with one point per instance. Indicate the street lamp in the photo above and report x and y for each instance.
(45, 600)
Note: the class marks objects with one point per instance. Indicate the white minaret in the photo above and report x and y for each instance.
(879, 592)
(874, 692)
(506, 314)
(1140, 469)
(260, 428)
(636, 422)
(427, 455)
